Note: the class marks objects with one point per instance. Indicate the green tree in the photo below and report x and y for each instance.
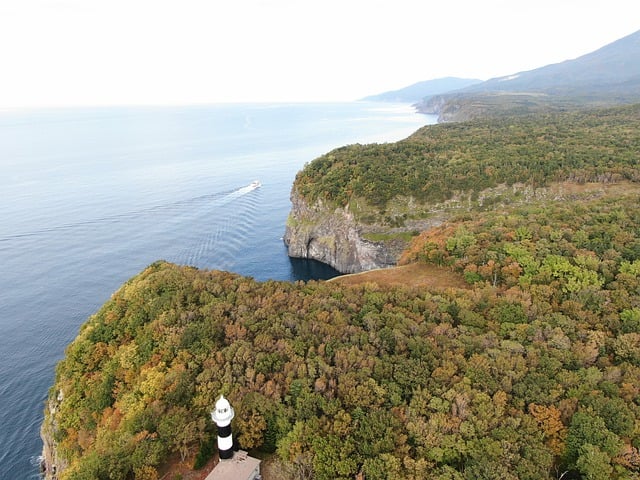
(593, 463)
(587, 428)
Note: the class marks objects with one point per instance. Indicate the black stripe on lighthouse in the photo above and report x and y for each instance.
(224, 431)
(225, 442)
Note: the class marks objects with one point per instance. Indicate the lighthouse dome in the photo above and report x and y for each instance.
(223, 413)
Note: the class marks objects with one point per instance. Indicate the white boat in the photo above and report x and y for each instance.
(255, 184)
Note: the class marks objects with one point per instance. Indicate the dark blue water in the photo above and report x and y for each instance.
(89, 197)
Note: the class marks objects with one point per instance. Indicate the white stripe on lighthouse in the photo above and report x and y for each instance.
(225, 443)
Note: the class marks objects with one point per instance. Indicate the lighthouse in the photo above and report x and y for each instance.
(235, 467)
(222, 416)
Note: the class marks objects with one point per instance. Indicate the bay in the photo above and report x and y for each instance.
(89, 197)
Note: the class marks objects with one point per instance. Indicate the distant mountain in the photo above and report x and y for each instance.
(609, 75)
(418, 91)
(611, 66)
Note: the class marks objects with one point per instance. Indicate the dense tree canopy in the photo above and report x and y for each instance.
(486, 383)
(531, 372)
(440, 161)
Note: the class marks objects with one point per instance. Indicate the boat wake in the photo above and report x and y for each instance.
(218, 241)
(246, 189)
(212, 231)
(155, 211)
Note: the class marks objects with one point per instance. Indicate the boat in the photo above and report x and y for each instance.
(255, 184)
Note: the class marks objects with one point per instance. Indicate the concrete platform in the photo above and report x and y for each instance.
(240, 467)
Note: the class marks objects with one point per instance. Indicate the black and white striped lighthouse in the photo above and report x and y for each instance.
(222, 416)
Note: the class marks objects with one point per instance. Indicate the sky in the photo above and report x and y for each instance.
(57, 53)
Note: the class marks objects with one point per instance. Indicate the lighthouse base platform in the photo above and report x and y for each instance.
(240, 467)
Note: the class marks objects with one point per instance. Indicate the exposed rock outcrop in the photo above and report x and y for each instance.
(51, 464)
(453, 107)
(334, 237)
(432, 105)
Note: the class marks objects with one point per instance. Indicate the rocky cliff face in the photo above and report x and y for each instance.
(432, 105)
(334, 237)
(450, 108)
(51, 464)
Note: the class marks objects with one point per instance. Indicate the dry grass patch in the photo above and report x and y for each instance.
(415, 275)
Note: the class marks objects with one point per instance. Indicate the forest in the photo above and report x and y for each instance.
(531, 372)
(440, 161)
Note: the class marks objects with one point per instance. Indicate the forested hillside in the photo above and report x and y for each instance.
(531, 371)
(439, 162)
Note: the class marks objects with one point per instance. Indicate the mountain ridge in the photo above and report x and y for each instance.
(615, 63)
(609, 75)
(419, 90)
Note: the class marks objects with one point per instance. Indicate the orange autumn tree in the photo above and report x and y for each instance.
(549, 421)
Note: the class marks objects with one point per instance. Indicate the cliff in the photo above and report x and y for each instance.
(337, 237)
(52, 463)
(332, 236)
(462, 107)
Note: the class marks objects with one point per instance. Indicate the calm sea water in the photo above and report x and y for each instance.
(89, 197)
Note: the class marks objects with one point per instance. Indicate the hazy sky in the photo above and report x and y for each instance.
(97, 52)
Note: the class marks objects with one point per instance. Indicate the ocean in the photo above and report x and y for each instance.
(90, 196)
